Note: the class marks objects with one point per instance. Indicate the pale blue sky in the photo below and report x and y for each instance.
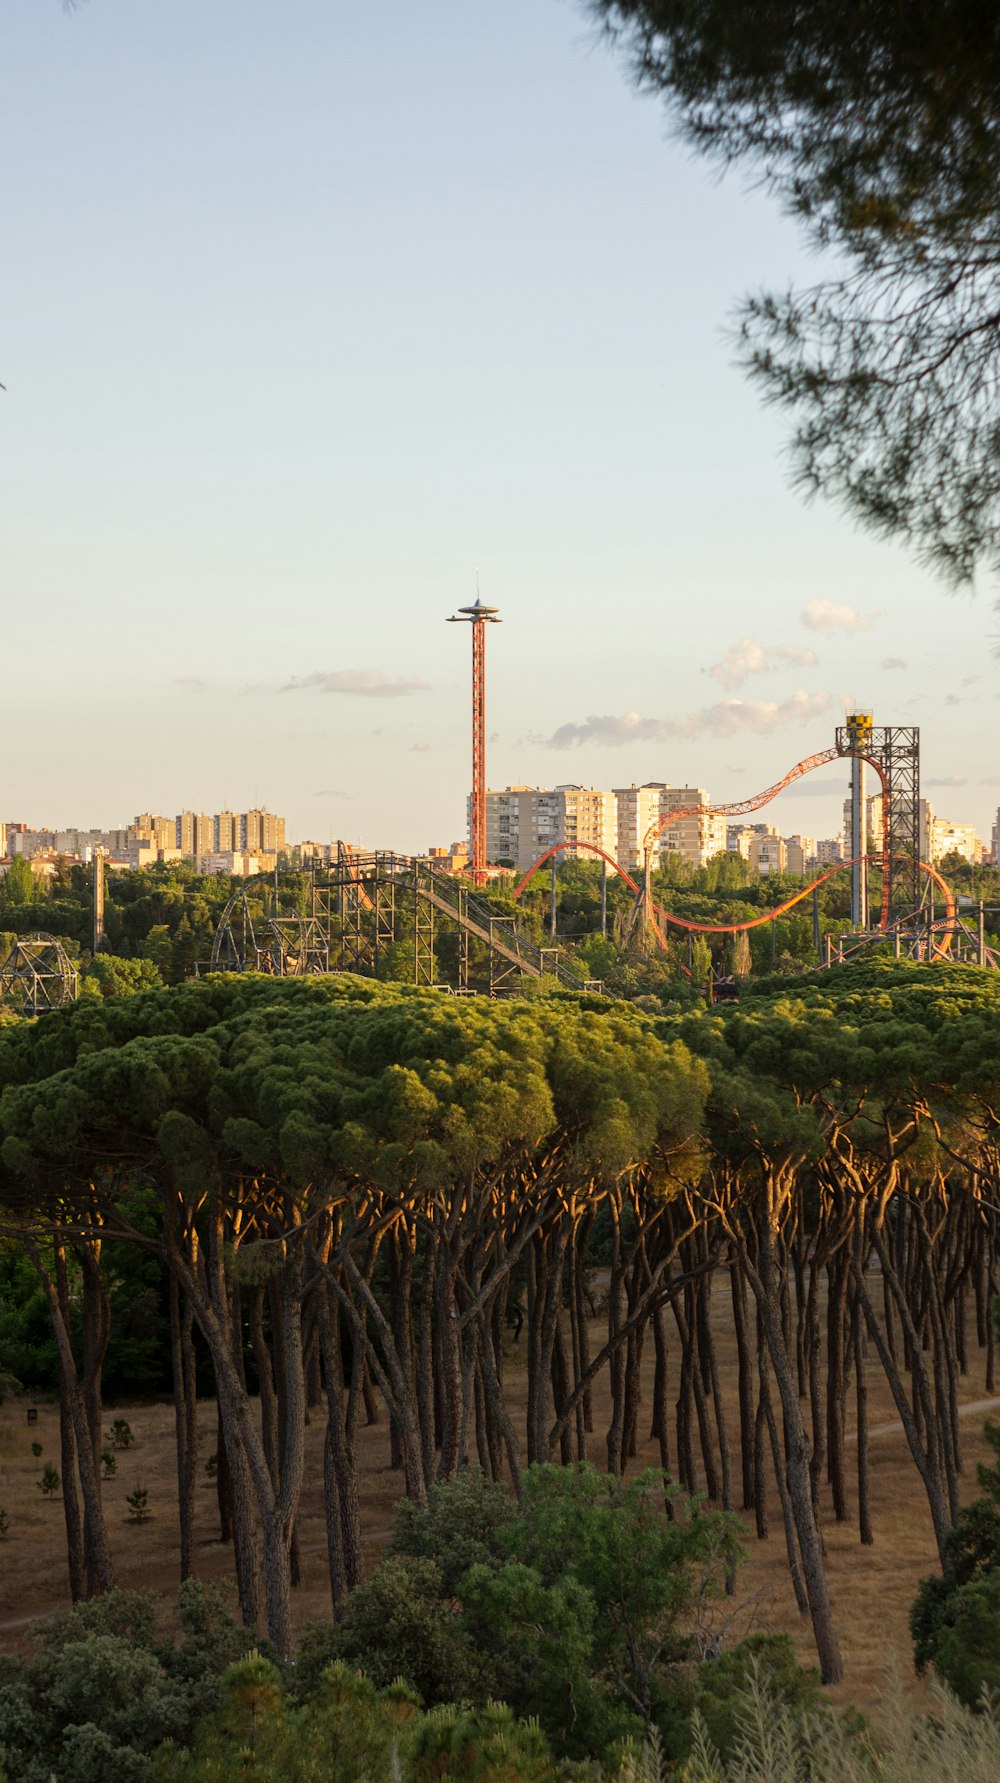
(308, 310)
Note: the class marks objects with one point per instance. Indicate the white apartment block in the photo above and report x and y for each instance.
(523, 821)
(636, 808)
(694, 838)
(830, 850)
(954, 838)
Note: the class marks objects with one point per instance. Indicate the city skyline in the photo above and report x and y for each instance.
(274, 391)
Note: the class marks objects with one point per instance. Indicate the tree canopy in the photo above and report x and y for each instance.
(877, 126)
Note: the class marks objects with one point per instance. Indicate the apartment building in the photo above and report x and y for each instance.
(740, 837)
(194, 834)
(874, 825)
(238, 863)
(829, 850)
(523, 821)
(800, 853)
(768, 854)
(636, 809)
(954, 838)
(226, 832)
(160, 831)
(261, 832)
(694, 838)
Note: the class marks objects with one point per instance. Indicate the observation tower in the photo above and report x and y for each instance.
(479, 617)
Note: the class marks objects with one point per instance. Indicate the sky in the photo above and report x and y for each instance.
(312, 312)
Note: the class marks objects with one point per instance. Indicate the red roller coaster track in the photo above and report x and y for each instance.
(738, 808)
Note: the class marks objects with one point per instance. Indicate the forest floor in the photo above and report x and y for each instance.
(871, 1588)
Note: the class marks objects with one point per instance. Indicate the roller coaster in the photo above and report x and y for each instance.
(352, 924)
(909, 920)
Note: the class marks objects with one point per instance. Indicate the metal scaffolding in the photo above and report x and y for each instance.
(361, 906)
(894, 751)
(37, 975)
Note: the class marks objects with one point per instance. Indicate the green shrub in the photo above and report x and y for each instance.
(723, 1683)
(464, 1524)
(100, 1692)
(968, 1641)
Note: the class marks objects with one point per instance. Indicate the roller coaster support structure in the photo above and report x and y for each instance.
(355, 910)
(894, 751)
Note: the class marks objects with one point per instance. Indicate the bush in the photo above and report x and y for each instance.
(968, 1642)
(465, 1524)
(100, 1692)
(400, 1625)
(354, 1733)
(723, 1683)
(971, 1554)
(120, 1435)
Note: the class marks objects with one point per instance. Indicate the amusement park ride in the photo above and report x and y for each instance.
(354, 904)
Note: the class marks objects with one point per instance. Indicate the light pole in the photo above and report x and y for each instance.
(478, 616)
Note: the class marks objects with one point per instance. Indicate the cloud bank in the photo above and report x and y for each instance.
(727, 718)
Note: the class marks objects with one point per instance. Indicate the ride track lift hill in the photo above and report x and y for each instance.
(352, 922)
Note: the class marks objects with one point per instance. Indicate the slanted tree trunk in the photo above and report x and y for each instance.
(96, 1552)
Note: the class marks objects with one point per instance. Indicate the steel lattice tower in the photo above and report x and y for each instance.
(894, 750)
(478, 616)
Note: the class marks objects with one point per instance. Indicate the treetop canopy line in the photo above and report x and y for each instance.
(375, 1181)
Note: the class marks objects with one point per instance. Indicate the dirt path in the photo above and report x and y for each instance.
(972, 1407)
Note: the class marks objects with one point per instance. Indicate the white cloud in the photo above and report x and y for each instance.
(758, 716)
(835, 616)
(750, 657)
(948, 780)
(727, 718)
(189, 681)
(610, 732)
(894, 662)
(419, 748)
(369, 684)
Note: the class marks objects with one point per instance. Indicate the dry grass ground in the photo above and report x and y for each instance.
(872, 1588)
